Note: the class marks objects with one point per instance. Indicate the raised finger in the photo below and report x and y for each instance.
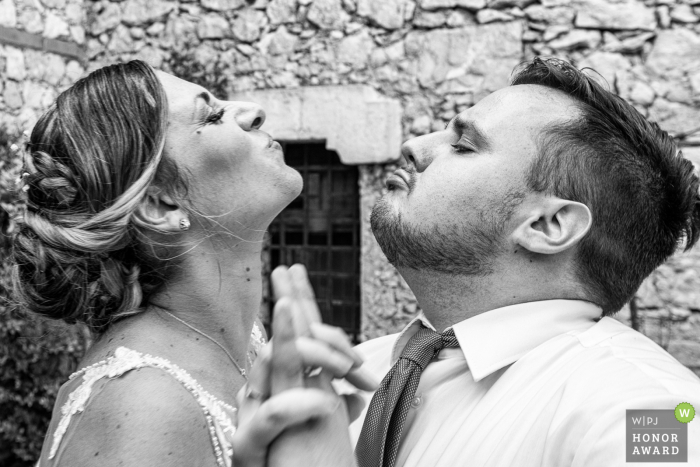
(317, 353)
(336, 338)
(286, 364)
(281, 283)
(339, 365)
(304, 292)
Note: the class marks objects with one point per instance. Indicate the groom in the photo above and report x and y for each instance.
(520, 228)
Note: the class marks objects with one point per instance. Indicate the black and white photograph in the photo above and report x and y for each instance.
(349, 233)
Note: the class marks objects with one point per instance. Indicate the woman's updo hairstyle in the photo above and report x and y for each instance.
(79, 252)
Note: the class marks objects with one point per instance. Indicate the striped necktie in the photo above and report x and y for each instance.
(386, 415)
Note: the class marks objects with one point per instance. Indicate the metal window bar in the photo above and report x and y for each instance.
(321, 229)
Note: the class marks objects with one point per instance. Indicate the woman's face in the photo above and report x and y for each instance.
(236, 173)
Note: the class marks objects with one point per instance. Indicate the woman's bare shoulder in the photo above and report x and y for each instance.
(144, 417)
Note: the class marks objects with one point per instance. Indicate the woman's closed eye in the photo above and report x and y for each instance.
(215, 117)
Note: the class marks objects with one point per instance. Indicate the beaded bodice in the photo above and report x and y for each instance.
(219, 415)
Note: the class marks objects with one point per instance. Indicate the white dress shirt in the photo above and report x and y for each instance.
(536, 384)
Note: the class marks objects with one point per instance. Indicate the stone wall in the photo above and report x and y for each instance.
(437, 57)
(39, 56)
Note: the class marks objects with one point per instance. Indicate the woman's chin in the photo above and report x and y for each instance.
(295, 184)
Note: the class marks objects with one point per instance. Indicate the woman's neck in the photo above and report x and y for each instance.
(217, 291)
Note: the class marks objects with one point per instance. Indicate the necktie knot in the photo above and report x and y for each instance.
(426, 344)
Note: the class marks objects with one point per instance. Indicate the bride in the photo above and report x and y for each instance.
(147, 201)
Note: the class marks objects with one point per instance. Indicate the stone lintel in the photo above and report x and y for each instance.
(356, 121)
(24, 39)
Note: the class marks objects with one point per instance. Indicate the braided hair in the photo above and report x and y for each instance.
(80, 253)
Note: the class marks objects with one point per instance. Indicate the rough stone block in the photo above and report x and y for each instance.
(576, 39)
(475, 58)
(683, 14)
(429, 19)
(281, 42)
(492, 16)
(502, 4)
(14, 64)
(328, 14)
(8, 13)
(355, 50)
(248, 24)
(366, 131)
(632, 44)
(282, 11)
(55, 27)
(107, 19)
(608, 65)
(12, 95)
(642, 93)
(137, 12)
(223, 5)
(674, 50)
(389, 14)
(57, 4)
(674, 117)
(625, 15)
(468, 4)
(213, 26)
(554, 15)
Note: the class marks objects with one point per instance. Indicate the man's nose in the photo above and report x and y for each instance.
(416, 153)
(248, 115)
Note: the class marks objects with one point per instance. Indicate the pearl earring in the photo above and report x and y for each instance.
(184, 224)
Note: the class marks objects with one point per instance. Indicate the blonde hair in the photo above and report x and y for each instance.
(79, 252)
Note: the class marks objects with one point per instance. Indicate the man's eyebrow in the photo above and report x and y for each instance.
(472, 129)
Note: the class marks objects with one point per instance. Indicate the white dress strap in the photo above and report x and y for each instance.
(217, 413)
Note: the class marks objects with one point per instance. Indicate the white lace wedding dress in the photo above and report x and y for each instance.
(85, 384)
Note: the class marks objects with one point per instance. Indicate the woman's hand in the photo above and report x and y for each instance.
(303, 422)
(260, 421)
(325, 441)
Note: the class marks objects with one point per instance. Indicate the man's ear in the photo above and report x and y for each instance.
(552, 225)
(159, 211)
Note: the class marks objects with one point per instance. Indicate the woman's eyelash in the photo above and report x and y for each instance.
(215, 117)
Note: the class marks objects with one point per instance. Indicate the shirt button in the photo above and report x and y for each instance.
(417, 401)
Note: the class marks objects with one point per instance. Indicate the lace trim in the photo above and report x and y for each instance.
(257, 342)
(221, 427)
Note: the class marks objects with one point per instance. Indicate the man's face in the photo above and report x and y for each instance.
(448, 208)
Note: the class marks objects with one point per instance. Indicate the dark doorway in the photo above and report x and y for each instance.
(321, 229)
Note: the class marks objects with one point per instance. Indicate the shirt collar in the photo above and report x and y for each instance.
(499, 337)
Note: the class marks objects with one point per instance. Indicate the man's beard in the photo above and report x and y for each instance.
(456, 248)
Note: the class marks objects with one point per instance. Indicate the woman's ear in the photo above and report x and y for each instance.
(158, 210)
(553, 225)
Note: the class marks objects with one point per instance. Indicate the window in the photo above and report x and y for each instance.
(321, 229)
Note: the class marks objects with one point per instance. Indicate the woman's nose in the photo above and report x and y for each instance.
(249, 116)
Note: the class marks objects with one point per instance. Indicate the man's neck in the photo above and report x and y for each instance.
(447, 299)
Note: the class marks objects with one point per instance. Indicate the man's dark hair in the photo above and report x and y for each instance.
(642, 193)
